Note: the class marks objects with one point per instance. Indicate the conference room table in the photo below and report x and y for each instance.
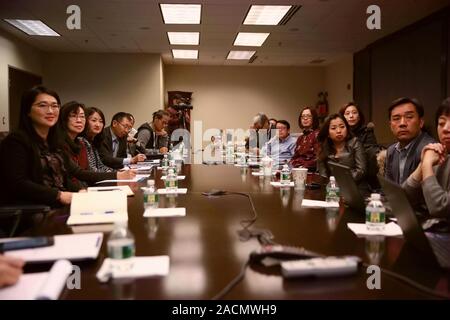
(206, 252)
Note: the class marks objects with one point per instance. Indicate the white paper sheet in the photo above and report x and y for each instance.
(179, 191)
(72, 247)
(125, 189)
(141, 267)
(137, 178)
(278, 184)
(178, 177)
(360, 229)
(307, 203)
(164, 212)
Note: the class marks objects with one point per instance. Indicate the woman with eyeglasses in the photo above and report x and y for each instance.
(339, 145)
(33, 167)
(92, 137)
(307, 146)
(429, 184)
(365, 133)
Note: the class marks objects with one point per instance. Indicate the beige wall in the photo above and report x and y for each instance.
(19, 55)
(111, 82)
(228, 97)
(337, 77)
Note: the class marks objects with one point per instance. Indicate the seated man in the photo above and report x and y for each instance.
(153, 135)
(260, 133)
(113, 150)
(281, 148)
(403, 157)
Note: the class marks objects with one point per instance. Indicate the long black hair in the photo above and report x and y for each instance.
(25, 122)
(99, 137)
(327, 145)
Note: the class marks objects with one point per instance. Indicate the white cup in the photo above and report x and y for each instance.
(299, 175)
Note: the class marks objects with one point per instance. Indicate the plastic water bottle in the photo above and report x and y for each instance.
(375, 213)
(165, 161)
(285, 176)
(332, 191)
(121, 247)
(151, 197)
(173, 165)
(171, 181)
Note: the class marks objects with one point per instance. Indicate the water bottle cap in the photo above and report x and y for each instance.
(375, 196)
(121, 223)
(332, 178)
(150, 182)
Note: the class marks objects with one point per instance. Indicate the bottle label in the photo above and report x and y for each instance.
(121, 252)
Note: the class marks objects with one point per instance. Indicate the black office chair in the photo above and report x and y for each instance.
(12, 216)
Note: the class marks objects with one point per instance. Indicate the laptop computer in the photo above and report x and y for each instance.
(432, 244)
(347, 186)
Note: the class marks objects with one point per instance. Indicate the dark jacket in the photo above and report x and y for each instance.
(161, 141)
(106, 150)
(21, 173)
(366, 134)
(353, 156)
(392, 170)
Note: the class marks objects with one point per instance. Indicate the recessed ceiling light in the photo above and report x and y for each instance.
(185, 54)
(184, 38)
(266, 15)
(33, 27)
(181, 13)
(240, 55)
(250, 39)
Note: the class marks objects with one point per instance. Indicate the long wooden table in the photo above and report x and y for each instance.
(206, 253)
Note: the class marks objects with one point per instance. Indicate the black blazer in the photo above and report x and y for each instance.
(21, 173)
(106, 150)
(391, 166)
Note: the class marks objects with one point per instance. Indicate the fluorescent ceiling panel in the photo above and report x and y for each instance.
(240, 55)
(266, 15)
(185, 54)
(181, 13)
(33, 27)
(250, 39)
(184, 38)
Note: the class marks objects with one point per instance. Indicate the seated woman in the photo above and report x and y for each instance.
(365, 133)
(92, 137)
(339, 145)
(33, 167)
(71, 124)
(307, 146)
(430, 183)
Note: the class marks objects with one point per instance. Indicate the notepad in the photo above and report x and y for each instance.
(178, 177)
(164, 212)
(39, 286)
(319, 204)
(98, 207)
(179, 191)
(391, 229)
(125, 189)
(73, 247)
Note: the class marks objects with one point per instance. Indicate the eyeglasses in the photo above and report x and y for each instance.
(127, 128)
(77, 116)
(306, 117)
(44, 105)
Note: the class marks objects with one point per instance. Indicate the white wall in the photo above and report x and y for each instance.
(19, 55)
(228, 97)
(337, 77)
(111, 82)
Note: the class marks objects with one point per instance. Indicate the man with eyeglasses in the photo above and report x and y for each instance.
(153, 135)
(113, 150)
(406, 121)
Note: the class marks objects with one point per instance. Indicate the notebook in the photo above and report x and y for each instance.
(40, 286)
(98, 207)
